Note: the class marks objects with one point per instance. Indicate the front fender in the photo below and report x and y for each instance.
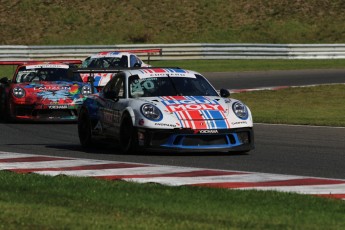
(131, 112)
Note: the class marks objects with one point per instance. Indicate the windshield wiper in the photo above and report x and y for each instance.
(174, 86)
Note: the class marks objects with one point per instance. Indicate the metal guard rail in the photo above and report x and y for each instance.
(183, 51)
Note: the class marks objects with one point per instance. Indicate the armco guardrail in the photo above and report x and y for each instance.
(195, 51)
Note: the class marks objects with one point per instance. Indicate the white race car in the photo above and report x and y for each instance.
(114, 60)
(165, 109)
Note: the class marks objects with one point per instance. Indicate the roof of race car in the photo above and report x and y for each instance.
(162, 72)
(119, 53)
(109, 54)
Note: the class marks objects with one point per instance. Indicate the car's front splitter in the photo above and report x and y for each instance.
(188, 140)
(32, 113)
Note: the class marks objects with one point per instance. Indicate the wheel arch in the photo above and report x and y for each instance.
(130, 112)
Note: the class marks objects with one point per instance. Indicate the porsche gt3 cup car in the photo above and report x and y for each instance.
(114, 59)
(42, 91)
(165, 109)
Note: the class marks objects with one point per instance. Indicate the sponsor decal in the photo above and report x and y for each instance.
(146, 73)
(191, 103)
(99, 127)
(208, 131)
(165, 125)
(196, 112)
(57, 106)
(239, 122)
(51, 88)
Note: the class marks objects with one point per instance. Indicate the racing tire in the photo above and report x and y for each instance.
(84, 129)
(2, 113)
(128, 135)
(6, 113)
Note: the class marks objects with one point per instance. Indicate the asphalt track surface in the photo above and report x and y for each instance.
(282, 149)
(249, 80)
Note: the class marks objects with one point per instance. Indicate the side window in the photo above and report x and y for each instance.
(93, 63)
(86, 62)
(115, 88)
(133, 61)
(124, 61)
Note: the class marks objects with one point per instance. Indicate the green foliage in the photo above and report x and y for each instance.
(92, 22)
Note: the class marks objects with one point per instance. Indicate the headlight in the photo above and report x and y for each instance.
(151, 112)
(240, 110)
(18, 92)
(86, 90)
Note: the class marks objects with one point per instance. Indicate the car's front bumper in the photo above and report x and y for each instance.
(43, 113)
(187, 140)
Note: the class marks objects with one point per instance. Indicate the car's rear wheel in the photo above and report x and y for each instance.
(128, 135)
(84, 129)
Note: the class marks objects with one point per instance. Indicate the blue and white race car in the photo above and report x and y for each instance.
(165, 109)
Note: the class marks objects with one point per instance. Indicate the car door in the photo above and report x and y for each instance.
(114, 96)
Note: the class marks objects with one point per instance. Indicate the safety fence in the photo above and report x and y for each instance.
(186, 51)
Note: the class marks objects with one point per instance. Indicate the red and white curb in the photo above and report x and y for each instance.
(170, 175)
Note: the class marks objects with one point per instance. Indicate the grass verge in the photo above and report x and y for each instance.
(252, 65)
(43, 202)
(232, 65)
(317, 105)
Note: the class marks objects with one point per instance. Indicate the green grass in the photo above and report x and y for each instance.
(232, 65)
(43, 202)
(90, 22)
(252, 65)
(318, 105)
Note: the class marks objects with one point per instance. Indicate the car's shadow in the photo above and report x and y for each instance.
(114, 149)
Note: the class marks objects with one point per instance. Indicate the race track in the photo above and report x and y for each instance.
(293, 150)
(274, 78)
(282, 149)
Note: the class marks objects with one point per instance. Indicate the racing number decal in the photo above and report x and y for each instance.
(110, 113)
(141, 84)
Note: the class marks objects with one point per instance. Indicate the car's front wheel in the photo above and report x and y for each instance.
(6, 113)
(84, 129)
(128, 135)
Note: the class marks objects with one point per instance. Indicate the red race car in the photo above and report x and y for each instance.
(42, 91)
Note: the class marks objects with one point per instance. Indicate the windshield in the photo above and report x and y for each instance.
(170, 86)
(46, 74)
(107, 62)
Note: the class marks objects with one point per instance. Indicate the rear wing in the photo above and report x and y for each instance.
(93, 71)
(76, 62)
(149, 52)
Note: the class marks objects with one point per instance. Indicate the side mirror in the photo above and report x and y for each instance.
(224, 93)
(5, 80)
